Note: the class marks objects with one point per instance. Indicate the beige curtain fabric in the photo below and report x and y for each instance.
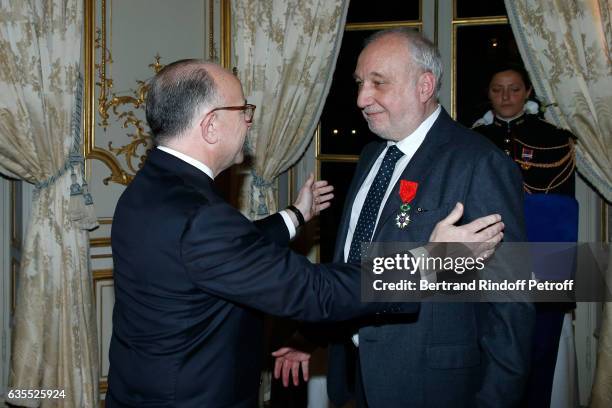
(285, 53)
(566, 48)
(54, 333)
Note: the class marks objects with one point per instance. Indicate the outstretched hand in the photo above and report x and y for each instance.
(288, 361)
(314, 197)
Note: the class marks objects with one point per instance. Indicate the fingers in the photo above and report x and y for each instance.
(321, 207)
(286, 372)
(309, 181)
(489, 232)
(323, 198)
(323, 190)
(278, 364)
(281, 351)
(453, 216)
(322, 184)
(295, 372)
(483, 222)
(305, 370)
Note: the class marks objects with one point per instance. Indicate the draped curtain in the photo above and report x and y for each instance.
(285, 53)
(54, 343)
(566, 48)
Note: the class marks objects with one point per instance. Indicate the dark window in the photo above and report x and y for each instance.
(480, 8)
(361, 11)
(343, 128)
(479, 49)
(340, 175)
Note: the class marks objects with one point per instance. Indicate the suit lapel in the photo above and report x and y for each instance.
(417, 169)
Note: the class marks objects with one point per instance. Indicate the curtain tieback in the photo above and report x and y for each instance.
(261, 184)
(80, 209)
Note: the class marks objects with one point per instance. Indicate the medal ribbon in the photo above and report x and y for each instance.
(407, 192)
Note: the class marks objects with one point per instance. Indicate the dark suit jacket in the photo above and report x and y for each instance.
(192, 278)
(447, 354)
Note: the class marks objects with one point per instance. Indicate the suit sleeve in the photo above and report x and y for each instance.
(226, 256)
(274, 228)
(505, 328)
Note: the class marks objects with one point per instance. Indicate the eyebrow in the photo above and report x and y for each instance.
(372, 74)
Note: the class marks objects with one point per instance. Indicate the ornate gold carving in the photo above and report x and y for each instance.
(140, 137)
(122, 107)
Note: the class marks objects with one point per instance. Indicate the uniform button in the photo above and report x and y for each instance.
(507, 140)
(507, 152)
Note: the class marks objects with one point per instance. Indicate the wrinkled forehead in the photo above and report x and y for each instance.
(386, 55)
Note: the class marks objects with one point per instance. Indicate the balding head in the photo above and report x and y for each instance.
(177, 94)
(422, 54)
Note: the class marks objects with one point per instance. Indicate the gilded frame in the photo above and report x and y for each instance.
(95, 75)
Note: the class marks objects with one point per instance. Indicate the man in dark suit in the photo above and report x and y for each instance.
(445, 354)
(192, 275)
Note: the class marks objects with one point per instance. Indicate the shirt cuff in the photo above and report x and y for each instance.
(288, 223)
(426, 274)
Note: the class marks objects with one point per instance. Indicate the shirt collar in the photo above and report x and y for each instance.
(188, 159)
(411, 143)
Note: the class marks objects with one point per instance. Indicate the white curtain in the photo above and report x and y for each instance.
(54, 332)
(285, 54)
(566, 48)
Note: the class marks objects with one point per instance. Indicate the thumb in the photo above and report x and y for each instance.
(454, 215)
(281, 351)
(309, 180)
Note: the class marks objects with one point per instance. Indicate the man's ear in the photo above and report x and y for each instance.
(427, 86)
(209, 128)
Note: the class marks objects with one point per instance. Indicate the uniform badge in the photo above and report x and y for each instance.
(526, 156)
(407, 192)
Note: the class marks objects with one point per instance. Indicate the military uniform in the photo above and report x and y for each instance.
(545, 155)
(544, 152)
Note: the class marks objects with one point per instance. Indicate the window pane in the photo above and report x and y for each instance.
(340, 176)
(366, 11)
(479, 49)
(343, 128)
(480, 8)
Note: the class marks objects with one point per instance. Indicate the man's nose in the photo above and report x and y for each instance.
(505, 95)
(364, 97)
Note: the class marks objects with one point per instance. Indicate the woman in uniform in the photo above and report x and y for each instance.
(544, 152)
(545, 155)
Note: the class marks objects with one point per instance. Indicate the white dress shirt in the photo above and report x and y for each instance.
(204, 168)
(408, 146)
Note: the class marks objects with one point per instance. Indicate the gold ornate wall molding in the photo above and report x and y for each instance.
(108, 105)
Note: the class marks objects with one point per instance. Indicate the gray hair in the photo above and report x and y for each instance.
(424, 53)
(176, 94)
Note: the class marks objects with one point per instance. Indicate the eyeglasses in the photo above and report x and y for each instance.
(249, 110)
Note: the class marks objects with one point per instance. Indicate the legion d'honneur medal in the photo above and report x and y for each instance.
(407, 192)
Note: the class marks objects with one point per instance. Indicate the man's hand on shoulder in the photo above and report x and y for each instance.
(480, 236)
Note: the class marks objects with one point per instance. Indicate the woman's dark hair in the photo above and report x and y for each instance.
(511, 66)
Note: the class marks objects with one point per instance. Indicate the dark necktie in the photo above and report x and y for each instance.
(369, 211)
